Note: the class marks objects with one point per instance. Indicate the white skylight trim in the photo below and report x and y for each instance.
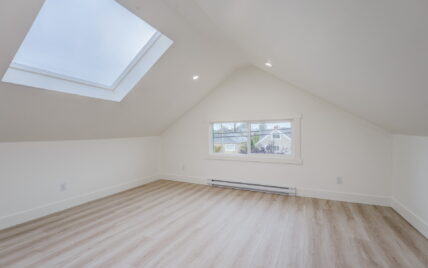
(94, 48)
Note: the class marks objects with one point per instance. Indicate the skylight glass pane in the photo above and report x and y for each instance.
(89, 40)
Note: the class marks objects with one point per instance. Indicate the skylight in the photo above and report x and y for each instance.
(95, 48)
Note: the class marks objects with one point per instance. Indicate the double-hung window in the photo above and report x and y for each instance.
(259, 140)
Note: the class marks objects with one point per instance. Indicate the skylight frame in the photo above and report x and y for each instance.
(134, 71)
(143, 50)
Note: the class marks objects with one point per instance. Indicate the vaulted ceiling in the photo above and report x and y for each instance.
(163, 95)
(368, 57)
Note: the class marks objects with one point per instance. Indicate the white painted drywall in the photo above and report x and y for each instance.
(31, 173)
(410, 180)
(167, 91)
(334, 142)
(368, 57)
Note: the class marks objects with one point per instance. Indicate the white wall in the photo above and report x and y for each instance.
(410, 180)
(334, 143)
(31, 173)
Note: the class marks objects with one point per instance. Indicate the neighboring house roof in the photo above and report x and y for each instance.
(267, 139)
(229, 139)
(269, 132)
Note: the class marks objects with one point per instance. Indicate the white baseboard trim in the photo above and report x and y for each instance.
(189, 179)
(420, 224)
(412, 218)
(24, 216)
(38, 212)
(306, 192)
(347, 197)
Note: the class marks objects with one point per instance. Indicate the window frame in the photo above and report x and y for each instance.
(294, 158)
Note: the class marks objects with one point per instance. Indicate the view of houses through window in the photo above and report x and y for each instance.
(267, 137)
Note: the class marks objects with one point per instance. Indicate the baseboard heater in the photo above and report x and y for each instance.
(253, 187)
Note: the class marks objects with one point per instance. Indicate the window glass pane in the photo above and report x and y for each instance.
(90, 40)
(230, 138)
(228, 127)
(271, 138)
(217, 127)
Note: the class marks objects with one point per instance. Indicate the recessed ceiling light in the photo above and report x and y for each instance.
(195, 77)
(268, 64)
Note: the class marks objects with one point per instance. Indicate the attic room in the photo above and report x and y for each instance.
(198, 133)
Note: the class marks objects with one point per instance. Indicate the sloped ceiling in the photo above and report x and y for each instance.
(164, 94)
(368, 57)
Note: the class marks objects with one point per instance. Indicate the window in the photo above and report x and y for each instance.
(270, 140)
(271, 137)
(230, 138)
(94, 48)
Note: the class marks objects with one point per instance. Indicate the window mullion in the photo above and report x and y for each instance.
(249, 138)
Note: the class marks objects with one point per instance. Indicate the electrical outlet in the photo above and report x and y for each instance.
(339, 180)
(63, 187)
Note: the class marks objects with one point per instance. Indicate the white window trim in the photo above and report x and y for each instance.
(146, 58)
(294, 158)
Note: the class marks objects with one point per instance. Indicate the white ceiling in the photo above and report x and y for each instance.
(163, 95)
(368, 57)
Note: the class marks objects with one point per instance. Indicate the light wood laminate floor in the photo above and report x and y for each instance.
(173, 224)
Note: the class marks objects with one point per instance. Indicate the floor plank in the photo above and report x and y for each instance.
(174, 224)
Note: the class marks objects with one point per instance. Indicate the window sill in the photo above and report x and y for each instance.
(277, 160)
